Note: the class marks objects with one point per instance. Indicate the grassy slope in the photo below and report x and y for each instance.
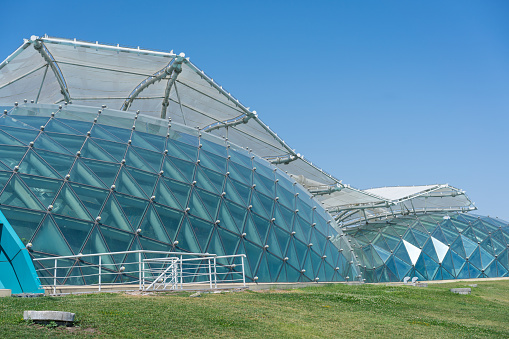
(322, 311)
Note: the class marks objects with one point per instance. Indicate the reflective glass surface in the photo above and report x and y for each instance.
(73, 181)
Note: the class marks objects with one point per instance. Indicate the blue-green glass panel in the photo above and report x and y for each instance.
(152, 227)
(54, 125)
(106, 171)
(230, 241)
(34, 165)
(121, 133)
(217, 179)
(146, 180)
(269, 186)
(93, 151)
(240, 173)
(49, 239)
(171, 219)
(187, 239)
(35, 122)
(179, 189)
(258, 206)
(212, 147)
(232, 194)
(11, 155)
(21, 134)
(114, 216)
(226, 219)
(45, 189)
(243, 191)
(72, 143)
(93, 198)
(273, 243)
(133, 208)
(251, 231)
(153, 159)
(190, 151)
(83, 175)
(126, 184)
(115, 149)
(95, 244)
(468, 245)
(203, 181)
(80, 126)
(185, 167)
(170, 171)
(16, 193)
(74, 231)
(6, 139)
(202, 230)
(67, 203)
(59, 162)
(117, 241)
(216, 246)
(165, 196)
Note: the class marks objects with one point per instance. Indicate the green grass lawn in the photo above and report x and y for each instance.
(321, 311)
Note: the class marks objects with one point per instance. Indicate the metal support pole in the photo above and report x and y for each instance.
(100, 263)
(139, 272)
(210, 274)
(243, 272)
(215, 273)
(181, 276)
(55, 277)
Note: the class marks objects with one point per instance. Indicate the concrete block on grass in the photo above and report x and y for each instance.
(466, 290)
(46, 317)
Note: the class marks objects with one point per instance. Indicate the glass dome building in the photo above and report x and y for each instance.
(110, 149)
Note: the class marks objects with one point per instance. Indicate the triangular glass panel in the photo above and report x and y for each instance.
(187, 239)
(34, 165)
(219, 161)
(95, 244)
(146, 180)
(152, 227)
(273, 243)
(133, 208)
(186, 168)
(83, 175)
(117, 241)
(67, 203)
(468, 245)
(97, 132)
(174, 151)
(54, 125)
(202, 229)
(49, 239)
(170, 218)
(205, 162)
(35, 122)
(240, 173)
(45, 189)
(258, 206)
(106, 171)
(180, 190)
(262, 225)
(286, 198)
(190, 151)
(232, 194)
(6, 139)
(153, 159)
(16, 193)
(126, 184)
(486, 258)
(251, 231)
(216, 179)
(165, 196)
(11, 155)
(121, 133)
(475, 258)
(230, 241)
(73, 143)
(197, 208)
(60, 162)
(21, 134)
(243, 191)
(113, 215)
(80, 126)
(203, 181)
(93, 151)
(115, 149)
(138, 141)
(75, 231)
(215, 245)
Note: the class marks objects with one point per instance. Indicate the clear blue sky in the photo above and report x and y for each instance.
(378, 93)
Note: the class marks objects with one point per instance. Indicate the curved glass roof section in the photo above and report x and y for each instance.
(167, 85)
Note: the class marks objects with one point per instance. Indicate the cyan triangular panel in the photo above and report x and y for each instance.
(23, 135)
(170, 170)
(115, 149)
(170, 218)
(11, 155)
(106, 171)
(45, 189)
(34, 165)
(153, 159)
(80, 173)
(60, 162)
(59, 142)
(93, 151)
(187, 239)
(202, 229)
(133, 208)
(165, 196)
(126, 184)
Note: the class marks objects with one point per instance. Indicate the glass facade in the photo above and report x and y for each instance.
(433, 247)
(77, 179)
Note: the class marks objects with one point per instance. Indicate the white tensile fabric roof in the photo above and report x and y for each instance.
(54, 70)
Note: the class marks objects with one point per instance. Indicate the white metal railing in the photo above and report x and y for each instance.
(148, 270)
